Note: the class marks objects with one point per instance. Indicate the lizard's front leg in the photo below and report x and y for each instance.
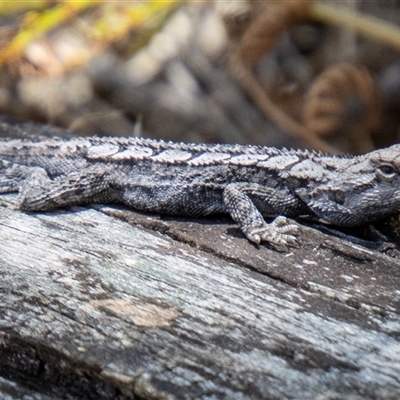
(240, 200)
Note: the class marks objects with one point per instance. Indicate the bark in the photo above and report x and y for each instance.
(93, 307)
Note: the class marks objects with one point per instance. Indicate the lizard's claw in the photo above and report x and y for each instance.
(281, 233)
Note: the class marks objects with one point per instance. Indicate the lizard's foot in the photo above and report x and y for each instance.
(281, 233)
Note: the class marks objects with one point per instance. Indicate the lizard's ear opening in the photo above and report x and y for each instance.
(338, 196)
(386, 172)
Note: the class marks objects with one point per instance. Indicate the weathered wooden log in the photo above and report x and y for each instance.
(106, 303)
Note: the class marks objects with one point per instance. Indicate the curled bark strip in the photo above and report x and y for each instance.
(250, 83)
(266, 30)
(344, 100)
(260, 37)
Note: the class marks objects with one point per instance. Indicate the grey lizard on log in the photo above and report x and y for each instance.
(195, 180)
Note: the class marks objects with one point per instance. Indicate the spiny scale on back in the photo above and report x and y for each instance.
(137, 149)
(247, 182)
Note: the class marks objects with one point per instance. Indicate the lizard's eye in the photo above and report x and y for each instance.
(387, 172)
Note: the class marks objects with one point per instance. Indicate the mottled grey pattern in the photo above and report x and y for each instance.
(247, 182)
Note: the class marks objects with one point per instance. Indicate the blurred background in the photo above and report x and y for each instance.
(310, 74)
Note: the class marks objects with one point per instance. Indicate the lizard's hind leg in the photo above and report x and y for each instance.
(14, 176)
(76, 188)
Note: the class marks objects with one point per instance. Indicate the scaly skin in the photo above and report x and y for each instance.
(247, 182)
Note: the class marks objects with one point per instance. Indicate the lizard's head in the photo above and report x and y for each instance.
(360, 190)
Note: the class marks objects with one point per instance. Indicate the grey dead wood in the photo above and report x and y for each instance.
(93, 307)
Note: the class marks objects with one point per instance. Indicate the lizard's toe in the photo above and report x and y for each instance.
(281, 233)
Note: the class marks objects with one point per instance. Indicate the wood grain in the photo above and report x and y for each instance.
(93, 307)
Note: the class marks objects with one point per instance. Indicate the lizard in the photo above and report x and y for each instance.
(245, 181)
